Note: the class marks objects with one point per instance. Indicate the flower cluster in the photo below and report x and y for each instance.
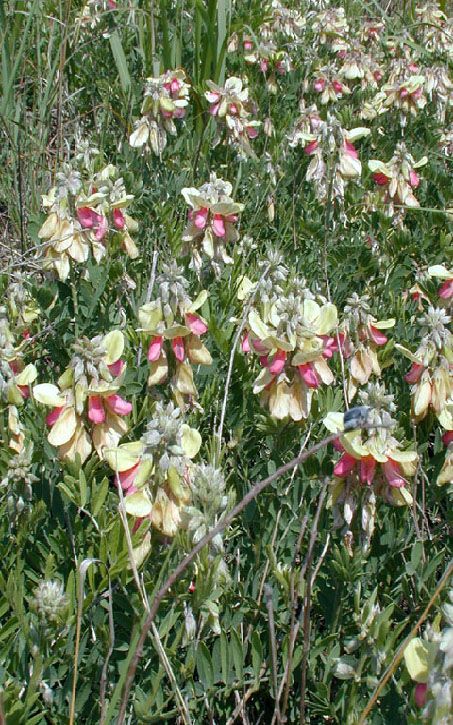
(211, 222)
(431, 373)
(273, 63)
(174, 328)
(397, 179)
(18, 483)
(289, 330)
(86, 214)
(371, 463)
(155, 471)
(231, 107)
(361, 338)
(165, 100)
(87, 398)
(334, 158)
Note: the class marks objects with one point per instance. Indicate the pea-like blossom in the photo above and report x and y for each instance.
(165, 101)
(86, 408)
(86, 214)
(173, 329)
(397, 179)
(234, 113)
(212, 221)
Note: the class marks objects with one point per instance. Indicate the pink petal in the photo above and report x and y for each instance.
(414, 179)
(233, 109)
(319, 85)
(86, 217)
(111, 4)
(258, 346)
(195, 324)
(344, 466)
(446, 289)
(252, 131)
(214, 109)
(351, 150)
(155, 347)
(377, 336)
(393, 474)
(309, 375)
(380, 178)
(199, 218)
(367, 469)
(311, 147)
(24, 391)
(278, 362)
(245, 345)
(231, 218)
(420, 694)
(178, 348)
(337, 86)
(117, 368)
(127, 478)
(218, 225)
(264, 361)
(118, 405)
(102, 228)
(54, 415)
(414, 373)
(179, 113)
(330, 346)
(338, 445)
(96, 412)
(119, 219)
(447, 438)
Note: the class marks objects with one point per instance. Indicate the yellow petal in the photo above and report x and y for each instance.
(27, 376)
(158, 371)
(191, 440)
(114, 344)
(138, 504)
(197, 353)
(48, 394)
(184, 379)
(64, 428)
(418, 657)
(422, 397)
(124, 457)
(279, 401)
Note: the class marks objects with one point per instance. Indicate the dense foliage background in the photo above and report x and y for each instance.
(305, 587)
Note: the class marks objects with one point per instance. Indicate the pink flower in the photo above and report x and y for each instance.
(367, 470)
(200, 217)
(351, 150)
(258, 346)
(263, 65)
(245, 344)
(393, 474)
(155, 348)
(248, 45)
(344, 466)
(414, 374)
(96, 412)
(54, 415)
(319, 85)
(414, 179)
(127, 478)
(119, 219)
(308, 375)
(337, 86)
(252, 131)
(89, 219)
(420, 694)
(195, 323)
(330, 346)
(218, 225)
(178, 348)
(111, 4)
(377, 336)
(24, 391)
(447, 438)
(446, 289)
(214, 109)
(380, 178)
(118, 405)
(278, 362)
(233, 109)
(311, 147)
(117, 368)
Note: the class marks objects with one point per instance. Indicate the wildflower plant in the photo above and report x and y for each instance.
(86, 215)
(165, 101)
(173, 328)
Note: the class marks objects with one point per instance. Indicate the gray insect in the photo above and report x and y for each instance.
(357, 417)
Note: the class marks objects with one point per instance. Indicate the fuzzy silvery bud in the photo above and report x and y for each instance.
(49, 602)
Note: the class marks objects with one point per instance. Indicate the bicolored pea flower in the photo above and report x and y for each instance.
(165, 100)
(328, 140)
(371, 464)
(292, 343)
(86, 213)
(431, 372)
(328, 83)
(86, 409)
(231, 107)
(362, 337)
(445, 291)
(272, 63)
(173, 328)
(154, 472)
(433, 30)
(358, 65)
(446, 472)
(397, 179)
(211, 223)
(331, 28)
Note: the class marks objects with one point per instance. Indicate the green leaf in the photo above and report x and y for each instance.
(120, 61)
(205, 668)
(238, 655)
